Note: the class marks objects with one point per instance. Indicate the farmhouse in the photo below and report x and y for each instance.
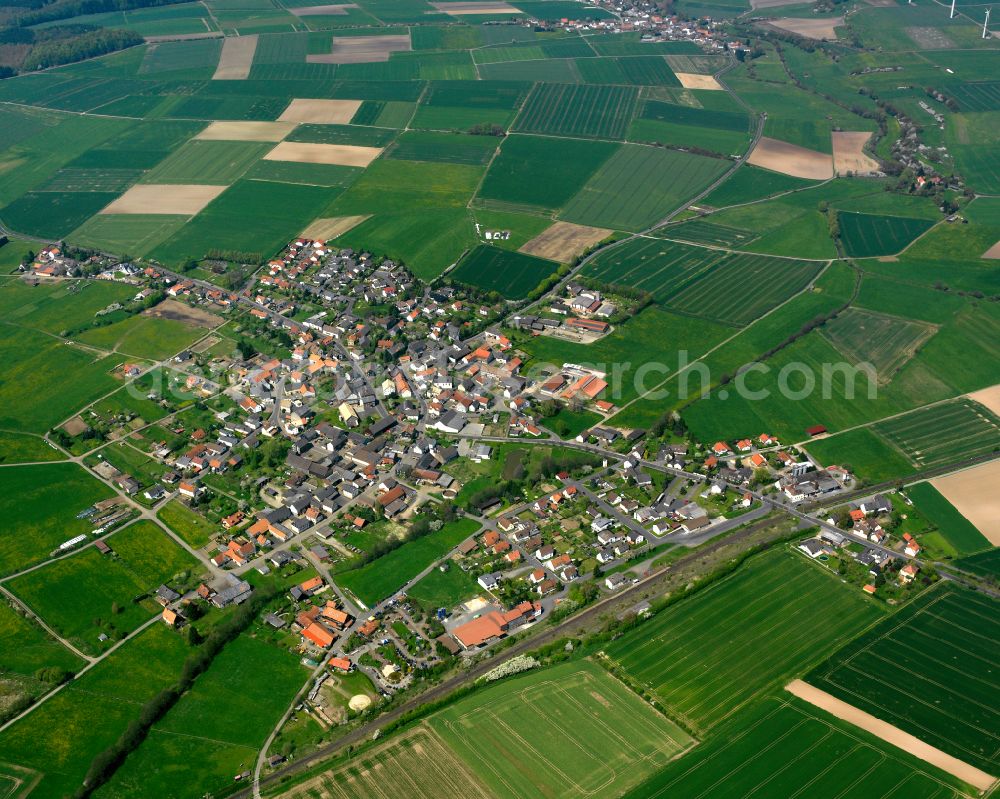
(495, 625)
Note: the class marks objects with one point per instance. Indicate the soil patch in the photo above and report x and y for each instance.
(179, 199)
(790, 159)
(993, 253)
(75, 426)
(309, 153)
(810, 28)
(563, 241)
(331, 227)
(891, 734)
(361, 49)
(179, 312)
(236, 58)
(849, 154)
(487, 7)
(320, 112)
(232, 130)
(690, 80)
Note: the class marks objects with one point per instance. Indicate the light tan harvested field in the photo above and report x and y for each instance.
(180, 312)
(182, 199)
(486, 7)
(232, 130)
(320, 112)
(974, 494)
(790, 159)
(563, 241)
(810, 28)
(236, 58)
(891, 734)
(849, 154)
(331, 227)
(323, 11)
(990, 397)
(361, 49)
(690, 80)
(993, 252)
(338, 154)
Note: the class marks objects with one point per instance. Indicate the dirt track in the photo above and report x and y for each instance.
(893, 735)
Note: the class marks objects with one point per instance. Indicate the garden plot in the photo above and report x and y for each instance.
(320, 112)
(178, 199)
(232, 130)
(564, 241)
(236, 58)
(309, 153)
(973, 493)
(361, 49)
(790, 159)
(849, 154)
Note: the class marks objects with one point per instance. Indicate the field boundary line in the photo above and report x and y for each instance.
(891, 734)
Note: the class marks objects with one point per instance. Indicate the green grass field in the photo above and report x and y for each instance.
(143, 336)
(444, 589)
(865, 235)
(71, 593)
(25, 647)
(944, 642)
(781, 747)
(60, 738)
(866, 454)
(24, 448)
(957, 530)
(194, 528)
(511, 274)
(985, 564)
(449, 148)
(174, 762)
(542, 171)
(944, 433)
(639, 186)
(708, 656)
(385, 575)
(886, 342)
(41, 504)
(215, 163)
(616, 740)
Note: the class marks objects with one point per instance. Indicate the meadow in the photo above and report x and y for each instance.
(40, 504)
(444, 589)
(25, 647)
(143, 336)
(886, 342)
(945, 643)
(985, 564)
(24, 448)
(215, 163)
(864, 453)
(382, 577)
(449, 148)
(706, 231)
(750, 183)
(944, 433)
(60, 739)
(511, 274)
(707, 657)
(617, 737)
(172, 762)
(781, 747)
(638, 186)
(866, 235)
(73, 593)
(192, 527)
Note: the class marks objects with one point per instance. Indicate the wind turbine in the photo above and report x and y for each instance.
(986, 24)
(952, 14)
